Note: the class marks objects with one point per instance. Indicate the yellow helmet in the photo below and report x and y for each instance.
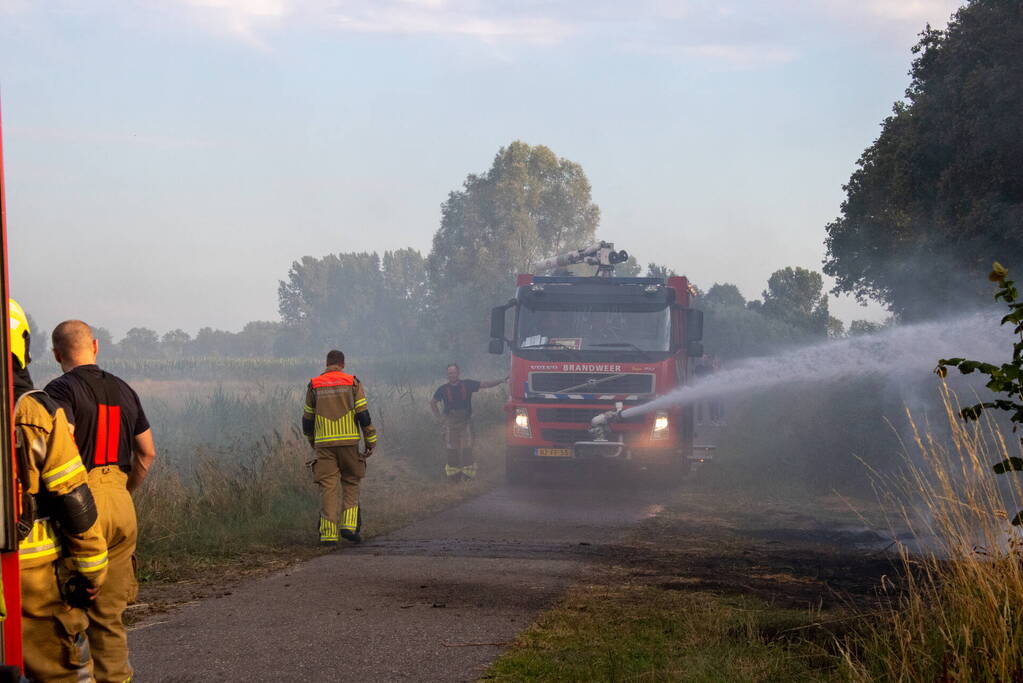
(19, 333)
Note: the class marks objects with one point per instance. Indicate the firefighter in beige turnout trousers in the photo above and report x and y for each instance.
(116, 444)
(334, 419)
(58, 517)
(456, 397)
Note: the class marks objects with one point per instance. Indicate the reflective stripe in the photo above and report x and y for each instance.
(451, 471)
(309, 410)
(40, 542)
(63, 472)
(372, 438)
(35, 553)
(90, 564)
(334, 430)
(470, 471)
(360, 402)
(350, 519)
(328, 530)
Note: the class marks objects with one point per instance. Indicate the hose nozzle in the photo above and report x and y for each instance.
(600, 426)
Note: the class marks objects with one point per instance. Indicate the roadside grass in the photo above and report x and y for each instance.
(615, 631)
(958, 615)
(231, 492)
(743, 588)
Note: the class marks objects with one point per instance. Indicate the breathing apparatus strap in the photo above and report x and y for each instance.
(29, 508)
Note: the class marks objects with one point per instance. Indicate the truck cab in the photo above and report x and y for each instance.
(581, 346)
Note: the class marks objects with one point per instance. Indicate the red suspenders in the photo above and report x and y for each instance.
(108, 435)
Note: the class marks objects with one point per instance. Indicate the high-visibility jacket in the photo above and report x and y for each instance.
(55, 469)
(336, 412)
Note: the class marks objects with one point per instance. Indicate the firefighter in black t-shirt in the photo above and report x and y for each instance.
(456, 396)
(116, 444)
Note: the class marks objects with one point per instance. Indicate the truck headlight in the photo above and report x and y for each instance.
(521, 427)
(660, 425)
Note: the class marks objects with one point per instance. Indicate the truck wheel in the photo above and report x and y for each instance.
(516, 470)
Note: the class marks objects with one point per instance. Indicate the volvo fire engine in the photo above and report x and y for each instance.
(589, 346)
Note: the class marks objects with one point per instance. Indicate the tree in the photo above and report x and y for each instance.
(660, 271)
(530, 205)
(40, 339)
(793, 296)
(354, 301)
(140, 342)
(105, 339)
(173, 343)
(939, 194)
(860, 327)
(724, 295)
(630, 268)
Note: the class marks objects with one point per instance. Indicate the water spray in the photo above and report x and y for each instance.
(902, 353)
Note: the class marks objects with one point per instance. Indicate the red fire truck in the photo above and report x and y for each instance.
(585, 346)
(10, 632)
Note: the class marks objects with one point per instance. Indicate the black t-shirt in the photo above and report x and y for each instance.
(457, 396)
(105, 411)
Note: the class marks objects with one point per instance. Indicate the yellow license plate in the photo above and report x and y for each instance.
(554, 452)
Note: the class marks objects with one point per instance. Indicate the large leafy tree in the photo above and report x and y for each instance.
(794, 297)
(354, 301)
(528, 206)
(939, 194)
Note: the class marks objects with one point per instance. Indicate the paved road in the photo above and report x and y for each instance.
(419, 604)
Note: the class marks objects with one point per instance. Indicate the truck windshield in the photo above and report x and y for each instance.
(597, 328)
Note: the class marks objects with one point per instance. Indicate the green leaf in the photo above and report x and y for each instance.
(1009, 465)
(972, 412)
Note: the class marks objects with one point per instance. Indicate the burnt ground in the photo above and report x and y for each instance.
(440, 599)
(819, 553)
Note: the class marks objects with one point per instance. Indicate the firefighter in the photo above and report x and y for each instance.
(116, 444)
(456, 395)
(58, 517)
(335, 417)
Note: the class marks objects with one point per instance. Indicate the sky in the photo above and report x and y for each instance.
(167, 160)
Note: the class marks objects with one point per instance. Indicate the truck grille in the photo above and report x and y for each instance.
(583, 415)
(556, 382)
(565, 435)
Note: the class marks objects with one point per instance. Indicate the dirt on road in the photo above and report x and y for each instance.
(442, 598)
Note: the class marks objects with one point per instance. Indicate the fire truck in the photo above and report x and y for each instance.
(10, 605)
(584, 350)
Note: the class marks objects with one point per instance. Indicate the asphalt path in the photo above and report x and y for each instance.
(435, 601)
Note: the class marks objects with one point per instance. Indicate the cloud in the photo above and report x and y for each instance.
(733, 33)
(888, 15)
(241, 18)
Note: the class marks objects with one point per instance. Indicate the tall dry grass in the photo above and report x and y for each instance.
(231, 485)
(956, 614)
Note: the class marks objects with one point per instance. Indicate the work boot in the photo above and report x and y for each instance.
(353, 536)
(328, 544)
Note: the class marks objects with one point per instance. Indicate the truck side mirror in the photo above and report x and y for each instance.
(497, 322)
(496, 346)
(694, 326)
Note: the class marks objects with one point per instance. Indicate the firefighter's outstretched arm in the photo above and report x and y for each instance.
(63, 475)
(493, 383)
(369, 432)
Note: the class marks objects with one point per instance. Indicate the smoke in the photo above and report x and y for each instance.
(902, 355)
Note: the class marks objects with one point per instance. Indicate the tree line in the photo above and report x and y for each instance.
(528, 206)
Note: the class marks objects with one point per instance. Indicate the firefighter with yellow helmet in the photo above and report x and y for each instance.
(62, 552)
(335, 417)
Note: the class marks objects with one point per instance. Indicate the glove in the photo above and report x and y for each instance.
(78, 592)
(369, 451)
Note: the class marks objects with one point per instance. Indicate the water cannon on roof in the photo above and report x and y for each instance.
(602, 255)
